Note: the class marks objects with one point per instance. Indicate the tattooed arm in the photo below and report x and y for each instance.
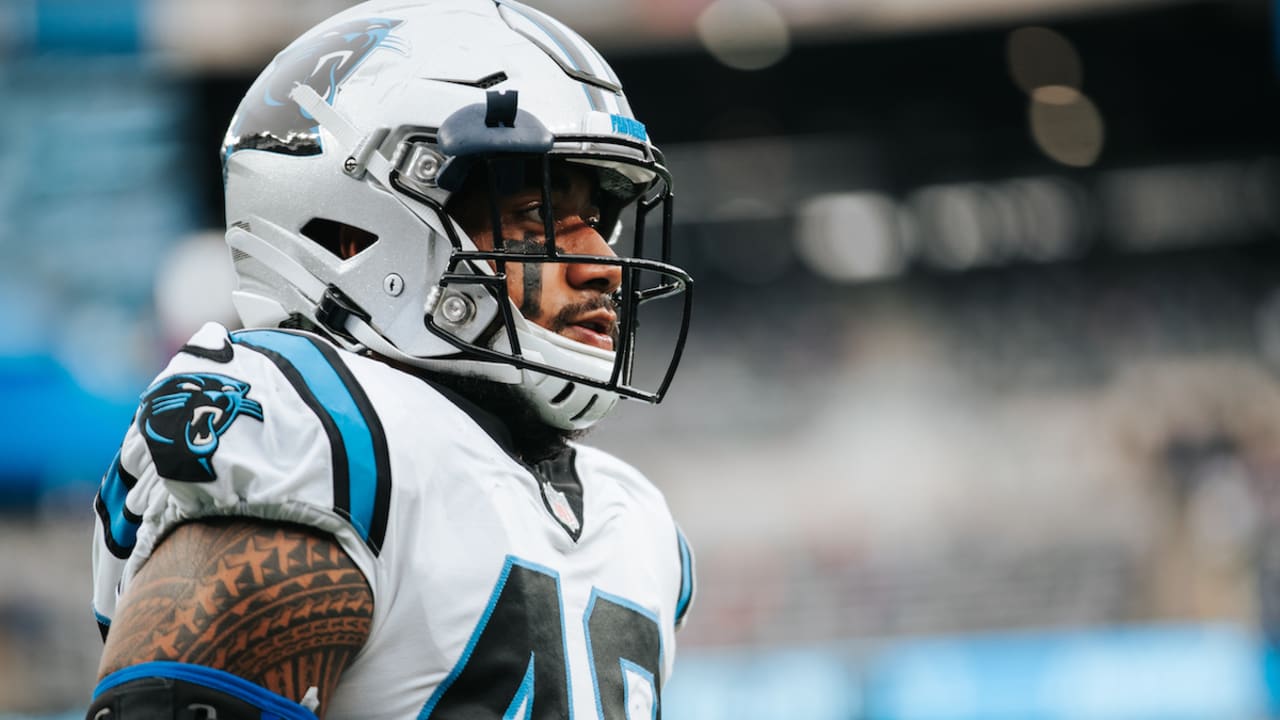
(279, 605)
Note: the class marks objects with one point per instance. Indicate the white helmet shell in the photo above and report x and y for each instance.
(357, 125)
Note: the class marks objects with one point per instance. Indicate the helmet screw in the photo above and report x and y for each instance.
(456, 309)
(393, 284)
(427, 167)
(350, 164)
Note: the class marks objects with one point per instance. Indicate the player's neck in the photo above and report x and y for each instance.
(512, 421)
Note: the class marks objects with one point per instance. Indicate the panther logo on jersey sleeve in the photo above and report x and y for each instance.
(182, 417)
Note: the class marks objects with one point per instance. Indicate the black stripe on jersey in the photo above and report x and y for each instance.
(104, 515)
(116, 548)
(337, 448)
(381, 455)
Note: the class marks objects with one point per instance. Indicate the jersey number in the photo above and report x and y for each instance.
(516, 663)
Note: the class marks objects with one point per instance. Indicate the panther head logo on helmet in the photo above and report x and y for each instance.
(269, 120)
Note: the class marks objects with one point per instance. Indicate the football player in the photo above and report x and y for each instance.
(446, 224)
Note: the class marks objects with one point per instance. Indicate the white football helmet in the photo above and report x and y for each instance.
(369, 122)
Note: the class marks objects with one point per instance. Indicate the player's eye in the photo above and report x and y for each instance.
(530, 212)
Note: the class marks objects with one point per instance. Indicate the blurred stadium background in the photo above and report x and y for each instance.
(981, 413)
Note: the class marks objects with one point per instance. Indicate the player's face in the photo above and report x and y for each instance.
(571, 299)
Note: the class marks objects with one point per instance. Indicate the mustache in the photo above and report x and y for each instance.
(569, 313)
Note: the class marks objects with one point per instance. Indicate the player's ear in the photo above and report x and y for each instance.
(352, 241)
(344, 241)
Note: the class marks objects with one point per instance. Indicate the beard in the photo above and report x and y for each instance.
(532, 438)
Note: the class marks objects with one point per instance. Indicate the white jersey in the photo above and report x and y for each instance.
(499, 590)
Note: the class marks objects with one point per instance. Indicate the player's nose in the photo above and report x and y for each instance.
(601, 277)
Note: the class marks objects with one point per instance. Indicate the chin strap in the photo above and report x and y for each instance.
(351, 324)
(368, 337)
(362, 148)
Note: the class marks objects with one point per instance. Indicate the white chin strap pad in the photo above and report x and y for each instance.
(579, 406)
(561, 403)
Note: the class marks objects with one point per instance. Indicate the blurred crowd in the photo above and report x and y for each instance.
(947, 377)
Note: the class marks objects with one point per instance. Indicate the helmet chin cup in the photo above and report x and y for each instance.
(563, 403)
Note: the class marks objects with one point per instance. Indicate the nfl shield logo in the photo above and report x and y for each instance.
(560, 508)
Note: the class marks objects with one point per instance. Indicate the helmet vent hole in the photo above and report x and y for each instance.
(490, 80)
(483, 83)
(238, 255)
(563, 394)
(342, 240)
(586, 409)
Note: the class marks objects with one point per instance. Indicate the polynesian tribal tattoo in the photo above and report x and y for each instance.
(279, 605)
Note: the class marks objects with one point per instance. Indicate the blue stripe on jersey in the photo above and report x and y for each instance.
(686, 577)
(361, 468)
(271, 704)
(119, 525)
